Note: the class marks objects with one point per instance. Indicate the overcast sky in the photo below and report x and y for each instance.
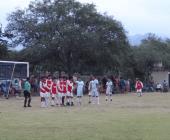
(137, 16)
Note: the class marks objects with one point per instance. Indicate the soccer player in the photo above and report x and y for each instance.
(80, 89)
(27, 93)
(90, 88)
(70, 87)
(53, 92)
(139, 86)
(109, 89)
(60, 90)
(42, 91)
(95, 90)
(64, 92)
(48, 85)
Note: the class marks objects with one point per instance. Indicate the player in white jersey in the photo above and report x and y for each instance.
(109, 89)
(90, 89)
(80, 89)
(95, 90)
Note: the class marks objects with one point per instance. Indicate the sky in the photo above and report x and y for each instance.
(137, 16)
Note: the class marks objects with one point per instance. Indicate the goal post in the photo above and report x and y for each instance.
(10, 70)
(13, 69)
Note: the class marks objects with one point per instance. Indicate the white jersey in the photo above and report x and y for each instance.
(109, 85)
(94, 84)
(80, 86)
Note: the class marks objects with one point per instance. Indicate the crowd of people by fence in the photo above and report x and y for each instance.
(120, 85)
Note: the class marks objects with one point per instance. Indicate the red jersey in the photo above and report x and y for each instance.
(48, 85)
(62, 86)
(54, 88)
(59, 86)
(42, 87)
(69, 86)
(139, 85)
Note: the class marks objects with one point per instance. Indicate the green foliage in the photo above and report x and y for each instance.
(70, 36)
(151, 51)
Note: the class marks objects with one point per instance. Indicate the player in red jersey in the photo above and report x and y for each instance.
(62, 89)
(42, 91)
(59, 89)
(139, 86)
(54, 92)
(64, 92)
(70, 87)
(48, 85)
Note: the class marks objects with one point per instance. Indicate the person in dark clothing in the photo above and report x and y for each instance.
(27, 93)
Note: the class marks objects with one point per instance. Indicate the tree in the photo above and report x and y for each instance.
(70, 36)
(3, 44)
(151, 51)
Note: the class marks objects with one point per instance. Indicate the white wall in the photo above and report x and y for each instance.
(160, 76)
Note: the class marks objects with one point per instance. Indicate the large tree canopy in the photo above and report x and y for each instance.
(151, 51)
(70, 36)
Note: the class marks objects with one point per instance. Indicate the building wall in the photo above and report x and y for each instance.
(160, 76)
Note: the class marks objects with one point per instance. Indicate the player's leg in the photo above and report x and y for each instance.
(68, 99)
(97, 97)
(42, 96)
(110, 96)
(71, 99)
(43, 102)
(80, 100)
(47, 96)
(25, 100)
(63, 99)
(106, 95)
(90, 93)
(29, 99)
(53, 100)
(93, 97)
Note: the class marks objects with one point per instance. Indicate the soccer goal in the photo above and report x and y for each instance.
(10, 70)
(13, 69)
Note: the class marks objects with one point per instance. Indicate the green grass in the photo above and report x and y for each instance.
(127, 118)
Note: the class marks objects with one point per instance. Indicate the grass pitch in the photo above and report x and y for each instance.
(127, 117)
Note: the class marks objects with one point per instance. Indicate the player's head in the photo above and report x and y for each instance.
(79, 78)
(70, 78)
(28, 79)
(109, 79)
(49, 76)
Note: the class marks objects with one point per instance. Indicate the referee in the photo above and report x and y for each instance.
(27, 93)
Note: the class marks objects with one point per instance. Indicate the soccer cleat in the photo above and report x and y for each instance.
(110, 99)
(29, 106)
(25, 106)
(72, 104)
(67, 104)
(106, 99)
(89, 102)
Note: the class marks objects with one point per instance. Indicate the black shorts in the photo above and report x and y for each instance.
(27, 94)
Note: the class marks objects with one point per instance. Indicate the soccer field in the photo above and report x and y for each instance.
(127, 117)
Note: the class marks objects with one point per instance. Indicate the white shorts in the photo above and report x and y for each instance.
(79, 93)
(139, 90)
(95, 93)
(44, 95)
(59, 95)
(64, 94)
(69, 94)
(53, 95)
(108, 93)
